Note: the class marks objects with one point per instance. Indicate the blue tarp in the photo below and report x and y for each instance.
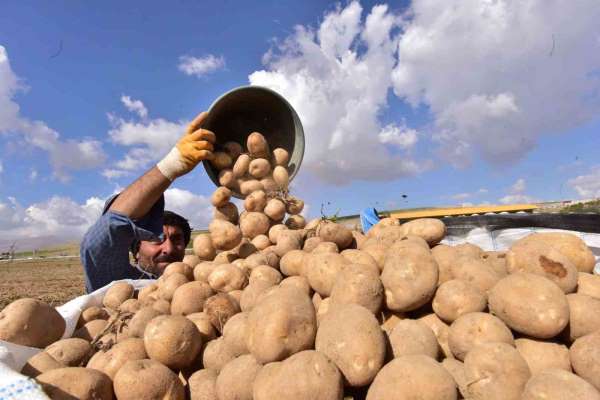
(368, 218)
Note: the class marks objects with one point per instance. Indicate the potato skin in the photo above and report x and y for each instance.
(70, 352)
(455, 298)
(236, 379)
(558, 384)
(350, 336)
(80, 383)
(202, 385)
(584, 315)
(406, 376)
(172, 340)
(203, 247)
(117, 294)
(585, 358)
(234, 334)
(281, 177)
(224, 235)
(220, 308)
(227, 212)
(568, 244)
(542, 355)
(257, 145)
(357, 284)
(216, 354)
(30, 322)
(588, 284)
(457, 370)
(40, 363)
(138, 323)
(90, 330)
(431, 229)
(255, 201)
(542, 259)
(280, 156)
(496, 371)
(292, 263)
(411, 337)
(475, 271)
(147, 379)
(445, 256)
(179, 267)
(282, 323)
(92, 313)
(259, 168)
(190, 297)
(474, 329)
(410, 278)
(240, 167)
(546, 313)
(336, 233)
(321, 271)
(220, 196)
(113, 359)
(202, 322)
(254, 224)
(305, 375)
(359, 257)
(225, 278)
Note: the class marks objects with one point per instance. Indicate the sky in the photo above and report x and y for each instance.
(446, 102)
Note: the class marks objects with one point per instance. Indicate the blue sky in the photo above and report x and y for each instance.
(448, 102)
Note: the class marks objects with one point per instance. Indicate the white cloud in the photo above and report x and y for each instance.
(64, 155)
(516, 194)
(339, 93)
(135, 106)
(33, 174)
(1, 167)
(519, 186)
(498, 75)
(148, 140)
(57, 220)
(518, 199)
(61, 219)
(587, 186)
(468, 195)
(200, 66)
(197, 209)
(461, 196)
(401, 136)
(110, 173)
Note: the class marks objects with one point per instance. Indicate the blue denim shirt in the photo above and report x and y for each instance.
(105, 246)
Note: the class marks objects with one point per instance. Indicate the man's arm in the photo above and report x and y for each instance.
(136, 213)
(139, 197)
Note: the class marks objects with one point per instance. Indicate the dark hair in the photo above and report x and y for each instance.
(171, 219)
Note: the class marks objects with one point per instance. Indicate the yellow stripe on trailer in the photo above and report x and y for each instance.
(456, 211)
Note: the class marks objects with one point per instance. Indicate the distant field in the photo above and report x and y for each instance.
(54, 281)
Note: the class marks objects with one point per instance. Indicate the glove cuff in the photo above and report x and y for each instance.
(172, 166)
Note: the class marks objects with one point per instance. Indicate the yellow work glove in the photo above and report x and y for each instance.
(196, 145)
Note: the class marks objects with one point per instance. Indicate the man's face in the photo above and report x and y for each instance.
(155, 256)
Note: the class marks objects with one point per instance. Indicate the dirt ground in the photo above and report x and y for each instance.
(54, 281)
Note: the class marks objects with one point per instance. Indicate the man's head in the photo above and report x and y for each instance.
(155, 256)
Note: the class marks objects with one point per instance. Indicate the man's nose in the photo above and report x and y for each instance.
(167, 246)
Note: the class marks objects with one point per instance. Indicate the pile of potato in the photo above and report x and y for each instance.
(273, 308)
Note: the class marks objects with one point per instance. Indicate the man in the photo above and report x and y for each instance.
(135, 219)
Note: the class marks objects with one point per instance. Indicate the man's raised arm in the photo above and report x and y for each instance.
(139, 197)
(136, 213)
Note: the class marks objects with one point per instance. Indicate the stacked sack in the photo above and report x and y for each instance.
(269, 307)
